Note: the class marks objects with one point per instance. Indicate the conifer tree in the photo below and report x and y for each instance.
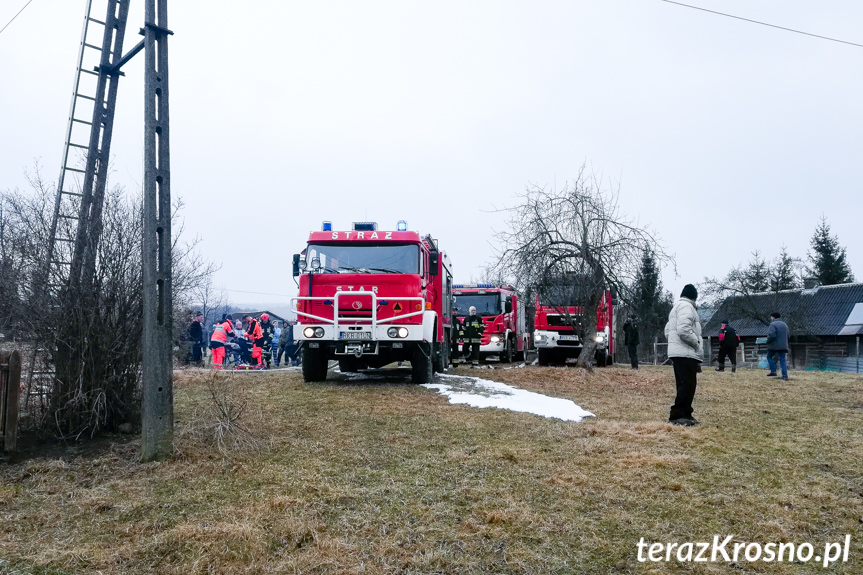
(827, 257)
(757, 276)
(782, 272)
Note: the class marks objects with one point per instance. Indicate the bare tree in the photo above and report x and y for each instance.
(573, 244)
(87, 340)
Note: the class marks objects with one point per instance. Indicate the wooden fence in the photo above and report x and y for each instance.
(10, 386)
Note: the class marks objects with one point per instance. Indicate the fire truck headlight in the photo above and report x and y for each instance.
(539, 337)
(393, 332)
(309, 332)
(599, 338)
(495, 338)
(319, 332)
(403, 332)
(302, 265)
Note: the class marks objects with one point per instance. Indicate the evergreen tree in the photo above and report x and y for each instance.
(782, 272)
(827, 257)
(652, 304)
(757, 275)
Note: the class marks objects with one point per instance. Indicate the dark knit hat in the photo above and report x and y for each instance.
(690, 292)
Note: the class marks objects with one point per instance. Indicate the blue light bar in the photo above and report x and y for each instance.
(402, 226)
(327, 226)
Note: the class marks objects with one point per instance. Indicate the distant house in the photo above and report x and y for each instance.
(826, 323)
(257, 314)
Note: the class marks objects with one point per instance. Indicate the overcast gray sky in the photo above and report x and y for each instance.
(724, 136)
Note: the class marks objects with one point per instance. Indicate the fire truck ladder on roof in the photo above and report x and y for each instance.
(77, 222)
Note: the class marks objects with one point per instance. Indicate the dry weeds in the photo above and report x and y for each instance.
(387, 477)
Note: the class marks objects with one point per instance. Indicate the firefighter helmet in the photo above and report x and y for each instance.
(265, 317)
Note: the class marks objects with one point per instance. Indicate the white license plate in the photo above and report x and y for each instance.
(356, 335)
(567, 337)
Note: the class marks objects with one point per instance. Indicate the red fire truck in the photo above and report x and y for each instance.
(368, 298)
(557, 331)
(503, 315)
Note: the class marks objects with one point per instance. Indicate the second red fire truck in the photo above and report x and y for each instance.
(503, 315)
(369, 297)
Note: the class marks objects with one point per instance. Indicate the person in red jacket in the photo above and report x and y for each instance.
(218, 340)
(728, 342)
(255, 335)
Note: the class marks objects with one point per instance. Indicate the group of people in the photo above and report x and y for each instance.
(249, 343)
(685, 350)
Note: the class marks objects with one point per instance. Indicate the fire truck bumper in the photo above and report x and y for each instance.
(553, 340)
(385, 334)
(494, 347)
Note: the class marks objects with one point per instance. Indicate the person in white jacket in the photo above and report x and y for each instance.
(685, 349)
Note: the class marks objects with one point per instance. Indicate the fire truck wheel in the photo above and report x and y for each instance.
(314, 365)
(507, 355)
(601, 358)
(421, 364)
(441, 357)
(544, 356)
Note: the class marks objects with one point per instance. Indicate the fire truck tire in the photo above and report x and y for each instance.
(507, 355)
(421, 364)
(602, 358)
(441, 357)
(314, 365)
(543, 356)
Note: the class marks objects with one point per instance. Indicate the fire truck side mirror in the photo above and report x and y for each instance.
(434, 263)
(508, 306)
(296, 262)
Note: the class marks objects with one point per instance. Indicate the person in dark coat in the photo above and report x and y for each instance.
(456, 334)
(473, 330)
(196, 337)
(631, 340)
(728, 342)
(777, 344)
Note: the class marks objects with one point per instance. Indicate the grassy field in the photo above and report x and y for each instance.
(387, 477)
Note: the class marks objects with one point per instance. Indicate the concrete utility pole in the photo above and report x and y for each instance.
(157, 401)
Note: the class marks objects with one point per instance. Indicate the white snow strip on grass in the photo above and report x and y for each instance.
(483, 393)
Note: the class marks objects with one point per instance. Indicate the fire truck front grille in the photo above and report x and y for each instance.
(558, 321)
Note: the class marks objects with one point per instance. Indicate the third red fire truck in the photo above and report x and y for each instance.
(503, 315)
(558, 331)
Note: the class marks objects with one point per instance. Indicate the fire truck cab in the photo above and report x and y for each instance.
(557, 331)
(502, 313)
(369, 297)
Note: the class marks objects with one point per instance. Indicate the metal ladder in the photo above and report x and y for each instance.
(77, 222)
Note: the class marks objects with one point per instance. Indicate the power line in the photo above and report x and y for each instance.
(763, 23)
(15, 16)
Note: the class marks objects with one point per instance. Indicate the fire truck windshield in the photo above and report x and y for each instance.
(366, 258)
(485, 304)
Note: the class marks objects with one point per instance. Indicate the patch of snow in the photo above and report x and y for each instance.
(484, 393)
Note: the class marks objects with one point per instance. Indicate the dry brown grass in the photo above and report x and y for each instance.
(387, 477)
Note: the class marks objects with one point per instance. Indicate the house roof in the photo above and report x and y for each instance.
(820, 311)
(257, 314)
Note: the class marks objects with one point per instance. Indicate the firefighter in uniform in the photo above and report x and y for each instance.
(456, 334)
(473, 329)
(221, 331)
(728, 342)
(256, 336)
(268, 329)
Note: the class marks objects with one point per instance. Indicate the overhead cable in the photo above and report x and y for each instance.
(764, 23)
